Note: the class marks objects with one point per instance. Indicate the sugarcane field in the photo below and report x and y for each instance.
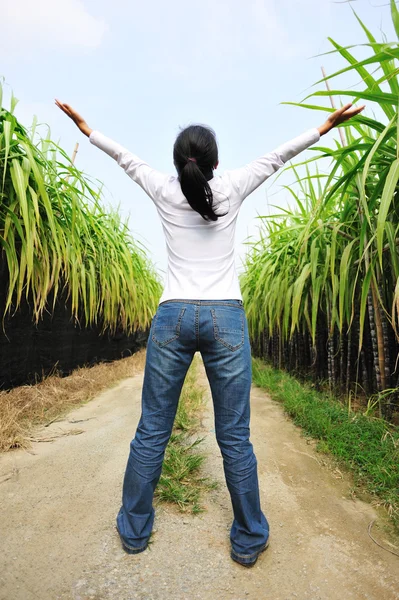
(199, 362)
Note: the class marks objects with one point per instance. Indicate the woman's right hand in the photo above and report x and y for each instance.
(75, 116)
(340, 116)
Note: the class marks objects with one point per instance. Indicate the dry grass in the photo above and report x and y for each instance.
(25, 407)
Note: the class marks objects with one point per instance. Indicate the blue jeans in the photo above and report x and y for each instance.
(218, 330)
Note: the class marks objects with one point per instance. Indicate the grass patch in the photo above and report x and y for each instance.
(23, 408)
(181, 482)
(368, 446)
(191, 401)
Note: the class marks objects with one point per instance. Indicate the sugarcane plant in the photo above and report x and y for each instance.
(325, 273)
(58, 238)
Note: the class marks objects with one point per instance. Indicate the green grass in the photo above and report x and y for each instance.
(191, 402)
(181, 482)
(368, 446)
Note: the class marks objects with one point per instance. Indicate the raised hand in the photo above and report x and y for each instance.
(340, 116)
(75, 116)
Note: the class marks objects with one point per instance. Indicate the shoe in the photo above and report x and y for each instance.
(250, 559)
(130, 549)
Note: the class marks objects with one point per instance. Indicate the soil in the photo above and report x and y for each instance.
(59, 501)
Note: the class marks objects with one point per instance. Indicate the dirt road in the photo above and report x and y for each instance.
(58, 508)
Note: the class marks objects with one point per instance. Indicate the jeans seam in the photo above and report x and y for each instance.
(196, 326)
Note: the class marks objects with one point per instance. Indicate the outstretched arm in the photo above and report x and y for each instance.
(149, 179)
(248, 178)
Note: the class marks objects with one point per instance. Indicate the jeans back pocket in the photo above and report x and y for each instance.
(167, 324)
(228, 327)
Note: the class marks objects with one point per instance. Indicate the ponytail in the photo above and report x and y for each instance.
(195, 155)
(197, 190)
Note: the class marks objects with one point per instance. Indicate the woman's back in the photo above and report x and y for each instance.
(201, 261)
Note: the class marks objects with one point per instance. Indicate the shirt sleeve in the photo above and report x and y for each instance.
(248, 178)
(149, 179)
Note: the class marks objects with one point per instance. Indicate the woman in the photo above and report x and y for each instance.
(201, 310)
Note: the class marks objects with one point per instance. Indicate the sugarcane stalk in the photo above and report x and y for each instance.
(363, 367)
(341, 360)
(74, 153)
(385, 336)
(348, 360)
(330, 351)
(374, 341)
(387, 373)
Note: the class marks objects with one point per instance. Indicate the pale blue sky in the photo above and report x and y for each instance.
(139, 71)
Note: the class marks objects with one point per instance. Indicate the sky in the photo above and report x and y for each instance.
(139, 71)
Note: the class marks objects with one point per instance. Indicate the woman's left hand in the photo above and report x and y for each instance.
(75, 116)
(340, 116)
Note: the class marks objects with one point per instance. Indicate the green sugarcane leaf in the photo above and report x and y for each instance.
(18, 180)
(386, 200)
(297, 295)
(343, 281)
(316, 288)
(395, 17)
(380, 139)
(393, 254)
(380, 98)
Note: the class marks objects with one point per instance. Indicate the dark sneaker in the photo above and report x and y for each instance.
(130, 549)
(248, 560)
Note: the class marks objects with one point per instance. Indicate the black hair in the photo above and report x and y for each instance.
(195, 155)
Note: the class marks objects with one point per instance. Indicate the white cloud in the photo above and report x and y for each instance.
(29, 25)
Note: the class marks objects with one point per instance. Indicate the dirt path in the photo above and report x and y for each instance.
(57, 513)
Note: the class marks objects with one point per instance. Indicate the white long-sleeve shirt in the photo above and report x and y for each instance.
(201, 262)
